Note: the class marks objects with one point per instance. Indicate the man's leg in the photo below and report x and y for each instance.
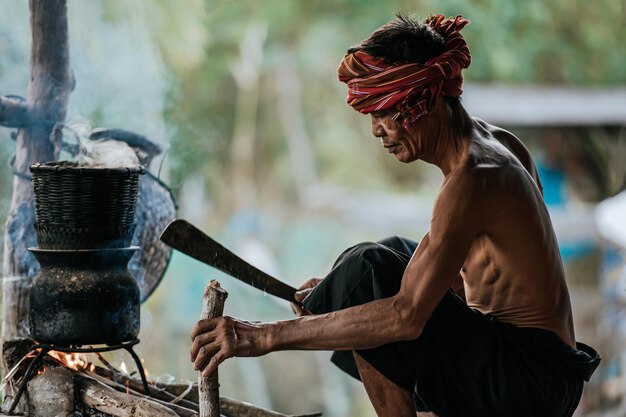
(388, 399)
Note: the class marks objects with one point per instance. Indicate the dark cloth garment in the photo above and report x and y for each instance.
(464, 363)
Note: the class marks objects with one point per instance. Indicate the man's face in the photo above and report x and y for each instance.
(407, 145)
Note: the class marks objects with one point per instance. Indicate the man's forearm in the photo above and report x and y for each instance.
(366, 326)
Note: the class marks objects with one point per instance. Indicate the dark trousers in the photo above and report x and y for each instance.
(464, 363)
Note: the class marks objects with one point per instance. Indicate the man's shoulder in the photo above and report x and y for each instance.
(485, 176)
(510, 144)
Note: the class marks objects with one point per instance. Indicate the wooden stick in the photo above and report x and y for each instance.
(179, 410)
(165, 393)
(97, 395)
(236, 408)
(208, 387)
(135, 385)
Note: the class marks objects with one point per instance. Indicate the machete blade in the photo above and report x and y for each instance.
(188, 239)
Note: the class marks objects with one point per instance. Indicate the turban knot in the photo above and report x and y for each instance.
(375, 85)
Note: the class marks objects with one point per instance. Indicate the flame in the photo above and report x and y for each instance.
(123, 368)
(74, 361)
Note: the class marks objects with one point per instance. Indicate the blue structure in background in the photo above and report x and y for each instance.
(555, 196)
(553, 181)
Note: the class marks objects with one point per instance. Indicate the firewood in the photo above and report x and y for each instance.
(190, 411)
(165, 393)
(102, 398)
(178, 389)
(156, 391)
(234, 408)
(208, 387)
(228, 406)
(51, 393)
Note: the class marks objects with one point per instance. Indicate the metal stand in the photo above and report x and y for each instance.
(45, 348)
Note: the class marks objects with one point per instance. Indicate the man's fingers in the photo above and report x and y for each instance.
(215, 361)
(299, 296)
(304, 291)
(204, 356)
(203, 326)
(299, 310)
(310, 283)
(198, 342)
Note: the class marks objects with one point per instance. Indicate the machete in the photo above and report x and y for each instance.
(185, 237)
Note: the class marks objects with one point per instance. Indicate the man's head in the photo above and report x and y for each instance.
(401, 72)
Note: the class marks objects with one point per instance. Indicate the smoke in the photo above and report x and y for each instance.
(121, 78)
(105, 153)
(120, 73)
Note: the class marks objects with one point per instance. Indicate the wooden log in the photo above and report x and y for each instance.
(234, 408)
(51, 393)
(156, 392)
(102, 398)
(179, 389)
(14, 351)
(168, 392)
(208, 387)
(178, 409)
(228, 406)
(13, 112)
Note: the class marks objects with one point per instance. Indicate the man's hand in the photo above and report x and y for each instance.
(217, 339)
(304, 290)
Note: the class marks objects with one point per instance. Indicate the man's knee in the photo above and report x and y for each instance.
(373, 271)
(376, 255)
(400, 244)
(365, 272)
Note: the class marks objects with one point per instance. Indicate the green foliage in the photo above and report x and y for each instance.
(536, 41)
(529, 42)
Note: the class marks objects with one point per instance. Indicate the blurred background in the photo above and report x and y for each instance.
(264, 154)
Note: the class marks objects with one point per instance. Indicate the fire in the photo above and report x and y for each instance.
(74, 361)
(123, 368)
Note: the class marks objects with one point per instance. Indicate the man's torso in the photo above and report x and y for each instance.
(513, 270)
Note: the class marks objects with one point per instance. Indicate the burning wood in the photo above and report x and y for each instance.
(102, 398)
(105, 389)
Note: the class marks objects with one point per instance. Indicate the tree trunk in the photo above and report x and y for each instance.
(246, 72)
(291, 119)
(48, 93)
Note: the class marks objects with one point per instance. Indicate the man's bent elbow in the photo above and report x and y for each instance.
(409, 326)
(411, 331)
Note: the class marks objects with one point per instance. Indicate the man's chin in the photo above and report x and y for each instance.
(405, 159)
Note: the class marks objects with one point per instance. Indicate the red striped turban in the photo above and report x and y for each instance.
(374, 85)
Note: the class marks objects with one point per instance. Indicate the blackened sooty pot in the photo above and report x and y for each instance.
(83, 297)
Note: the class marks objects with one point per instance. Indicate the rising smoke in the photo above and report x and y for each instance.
(121, 79)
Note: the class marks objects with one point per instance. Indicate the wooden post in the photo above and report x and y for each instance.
(208, 387)
(50, 85)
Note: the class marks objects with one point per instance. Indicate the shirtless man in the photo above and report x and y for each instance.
(476, 319)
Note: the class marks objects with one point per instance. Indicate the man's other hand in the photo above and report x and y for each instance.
(304, 290)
